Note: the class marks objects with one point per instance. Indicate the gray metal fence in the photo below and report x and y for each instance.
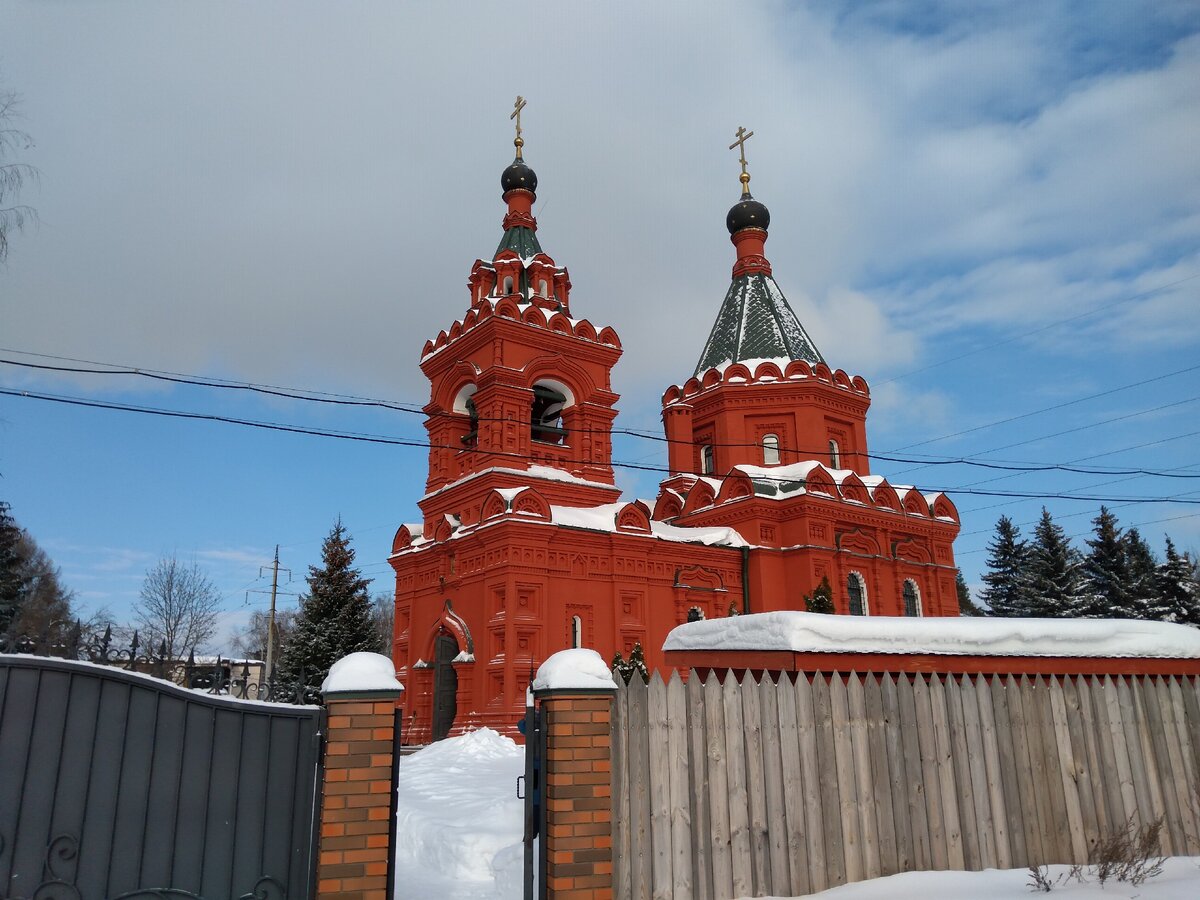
(115, 784)
(759, 788)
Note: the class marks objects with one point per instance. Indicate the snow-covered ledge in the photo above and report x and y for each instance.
(574, 671)
(362, 676)
(803, 632)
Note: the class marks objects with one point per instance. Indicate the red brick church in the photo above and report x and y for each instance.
(526, 546)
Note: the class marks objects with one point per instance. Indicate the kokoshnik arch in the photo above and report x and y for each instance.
(525, 546)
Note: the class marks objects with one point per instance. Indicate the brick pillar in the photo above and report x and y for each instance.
(578, 793)
(356, 807)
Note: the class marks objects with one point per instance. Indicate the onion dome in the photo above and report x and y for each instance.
(518, 176)
(747, 213)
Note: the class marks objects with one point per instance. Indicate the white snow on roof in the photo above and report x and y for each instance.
(577, 669)
(545, 473)
(361, 672)
(604, 518)
(953, 636)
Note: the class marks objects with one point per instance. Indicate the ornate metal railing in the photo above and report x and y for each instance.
(227, 677)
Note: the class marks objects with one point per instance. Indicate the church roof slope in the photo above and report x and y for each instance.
(756, 322)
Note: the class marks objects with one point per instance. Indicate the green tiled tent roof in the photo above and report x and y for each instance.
(523, 241)
(755, 322)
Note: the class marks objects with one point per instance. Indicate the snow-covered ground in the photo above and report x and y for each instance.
(459, 822)
(1180, 880)
(459, 838)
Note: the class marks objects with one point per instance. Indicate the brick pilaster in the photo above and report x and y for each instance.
(578, 794)
(357, 803)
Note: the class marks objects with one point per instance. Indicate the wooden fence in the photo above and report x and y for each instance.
(751, 789)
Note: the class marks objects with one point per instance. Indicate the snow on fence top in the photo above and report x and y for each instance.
(574, 670)
(361, 672)
(804, 632)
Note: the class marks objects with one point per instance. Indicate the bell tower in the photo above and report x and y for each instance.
(520, 389)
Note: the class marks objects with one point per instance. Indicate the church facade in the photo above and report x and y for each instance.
(525, 546)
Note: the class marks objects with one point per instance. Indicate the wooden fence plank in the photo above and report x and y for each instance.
(867, 826)
(639, 790)
(1124, 766)
(812, 774)
(1181, 782)
(1067, 772)
(735, 762)
(1114, 806)
(1133, 744)
(843, 751)
(1153, 739)
(968, 816)
(881, 787)
(1061, 827)
(698, 780)
(1091, 743)
(1015, 830)
(978, 770)
(1190, 768)
(660, 789)
(1032, 805)
(777, 836)
(897, 774)
(947, 787)
(622, 887)
(760, 861)
(914, 782)
(1082, 772)
(995, 780)
(793, 788)
(718, 789)
(929, 775)
(680, 788)
(835, 858)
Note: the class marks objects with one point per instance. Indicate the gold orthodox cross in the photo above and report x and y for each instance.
(742, 136)
(519, 105)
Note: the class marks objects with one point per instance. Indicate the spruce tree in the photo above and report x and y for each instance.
(12, 574)
(821, 599)
(1007, 591)
(1178, 590)
(335, 618)
(1053, 571)
(966, 606)
(1106, 582)
(1145, 602)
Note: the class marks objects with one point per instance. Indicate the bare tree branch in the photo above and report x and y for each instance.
(178, 607)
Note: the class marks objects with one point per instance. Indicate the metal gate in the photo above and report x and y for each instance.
(119, 785)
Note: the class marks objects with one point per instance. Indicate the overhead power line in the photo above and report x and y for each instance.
(924, 461)
(393, 441)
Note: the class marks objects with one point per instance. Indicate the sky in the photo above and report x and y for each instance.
(989, 211)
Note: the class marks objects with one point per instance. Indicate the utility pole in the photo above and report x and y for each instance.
(274, 567)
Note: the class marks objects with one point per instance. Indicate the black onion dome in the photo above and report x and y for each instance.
(747, 213)
(518, 175)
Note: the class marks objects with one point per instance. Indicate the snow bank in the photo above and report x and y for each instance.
(361, 672)
(458, 818)
(1179, 881)
(577, 669)
(816, 633)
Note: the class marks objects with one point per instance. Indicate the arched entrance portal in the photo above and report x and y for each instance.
(445, 685)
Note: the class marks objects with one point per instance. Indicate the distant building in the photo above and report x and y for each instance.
(525, 546)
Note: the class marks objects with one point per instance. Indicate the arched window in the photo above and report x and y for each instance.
(835, 454)
(508, 285)
(856, 590)
(770, 445)
(912, 598)
(695, 614)
(576, 632)
(543, 288)
(464, 402)
(707, 464)
(549, 400)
